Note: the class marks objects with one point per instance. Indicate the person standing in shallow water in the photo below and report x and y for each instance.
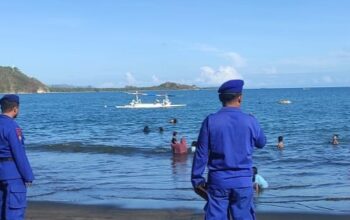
(15, 171)
(225, 145)
(174, 138)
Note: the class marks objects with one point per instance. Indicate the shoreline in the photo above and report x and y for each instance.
(41, 210)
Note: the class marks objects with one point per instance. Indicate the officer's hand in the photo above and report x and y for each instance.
(28, 184)
(201, 190)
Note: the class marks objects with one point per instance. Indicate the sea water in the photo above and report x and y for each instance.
(84, 150)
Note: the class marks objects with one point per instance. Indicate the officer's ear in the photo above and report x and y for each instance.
(15, 110)
(240, 99)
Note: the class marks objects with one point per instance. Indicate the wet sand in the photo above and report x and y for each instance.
(60, 211)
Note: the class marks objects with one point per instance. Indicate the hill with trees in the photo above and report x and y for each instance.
(163, 86)
(12, 80)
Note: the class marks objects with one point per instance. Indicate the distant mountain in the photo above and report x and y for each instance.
(163, 86)
(171, 86)
(62, 86)
(12, 80)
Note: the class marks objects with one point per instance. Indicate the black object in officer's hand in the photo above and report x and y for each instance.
(201, 190)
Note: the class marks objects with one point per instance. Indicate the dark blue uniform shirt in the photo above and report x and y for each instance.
(12, 146)
(226, 142)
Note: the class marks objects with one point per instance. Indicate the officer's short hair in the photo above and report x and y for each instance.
(7, 106)
(228, 97)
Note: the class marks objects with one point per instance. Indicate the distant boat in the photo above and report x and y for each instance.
(137, 103)
(284, 101)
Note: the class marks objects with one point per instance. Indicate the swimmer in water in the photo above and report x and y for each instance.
(146, 129)
(280, 144)
(335, 139)
(173, 121)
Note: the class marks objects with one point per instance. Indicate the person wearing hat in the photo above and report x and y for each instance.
(225, 145)
(15, 171)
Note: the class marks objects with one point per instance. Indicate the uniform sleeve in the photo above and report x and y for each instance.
(260, 138)
(200, 158)
(19, 155)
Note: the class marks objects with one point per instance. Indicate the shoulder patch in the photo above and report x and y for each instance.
(19, 133)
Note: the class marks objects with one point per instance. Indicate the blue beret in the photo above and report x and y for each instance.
(232, 86)
(10, 98)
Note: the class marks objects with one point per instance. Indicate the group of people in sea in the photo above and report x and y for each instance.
(280, 143)
(147, 129)
(260, 183)
(177, 147)
(180, 148)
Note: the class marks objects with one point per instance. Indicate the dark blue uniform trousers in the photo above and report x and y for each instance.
(12, 199)
(237, 202)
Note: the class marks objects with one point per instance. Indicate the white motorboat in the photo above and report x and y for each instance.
(137, 103)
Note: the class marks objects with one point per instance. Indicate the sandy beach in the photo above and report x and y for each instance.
(60, 211)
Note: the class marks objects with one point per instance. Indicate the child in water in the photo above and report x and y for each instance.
(193, 146)
(259, 182)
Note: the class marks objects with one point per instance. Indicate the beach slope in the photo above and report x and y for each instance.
(60, 211)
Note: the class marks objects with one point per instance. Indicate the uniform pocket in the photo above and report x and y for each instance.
(218, 193)
(17, 196)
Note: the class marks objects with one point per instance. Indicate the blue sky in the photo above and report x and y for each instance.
(144, 42)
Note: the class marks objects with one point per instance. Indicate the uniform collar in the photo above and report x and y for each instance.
(230, 109)
(5, 116)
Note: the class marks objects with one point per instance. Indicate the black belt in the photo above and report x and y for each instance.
(3, 159)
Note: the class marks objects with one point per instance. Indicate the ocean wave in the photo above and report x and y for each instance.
(79, 147)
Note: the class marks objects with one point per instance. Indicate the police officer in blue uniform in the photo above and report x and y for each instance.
(225, 144)
(15, 171)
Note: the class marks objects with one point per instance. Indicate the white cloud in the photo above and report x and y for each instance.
(130, 79)
(216, 77)
(237, 60)
(155, 79)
